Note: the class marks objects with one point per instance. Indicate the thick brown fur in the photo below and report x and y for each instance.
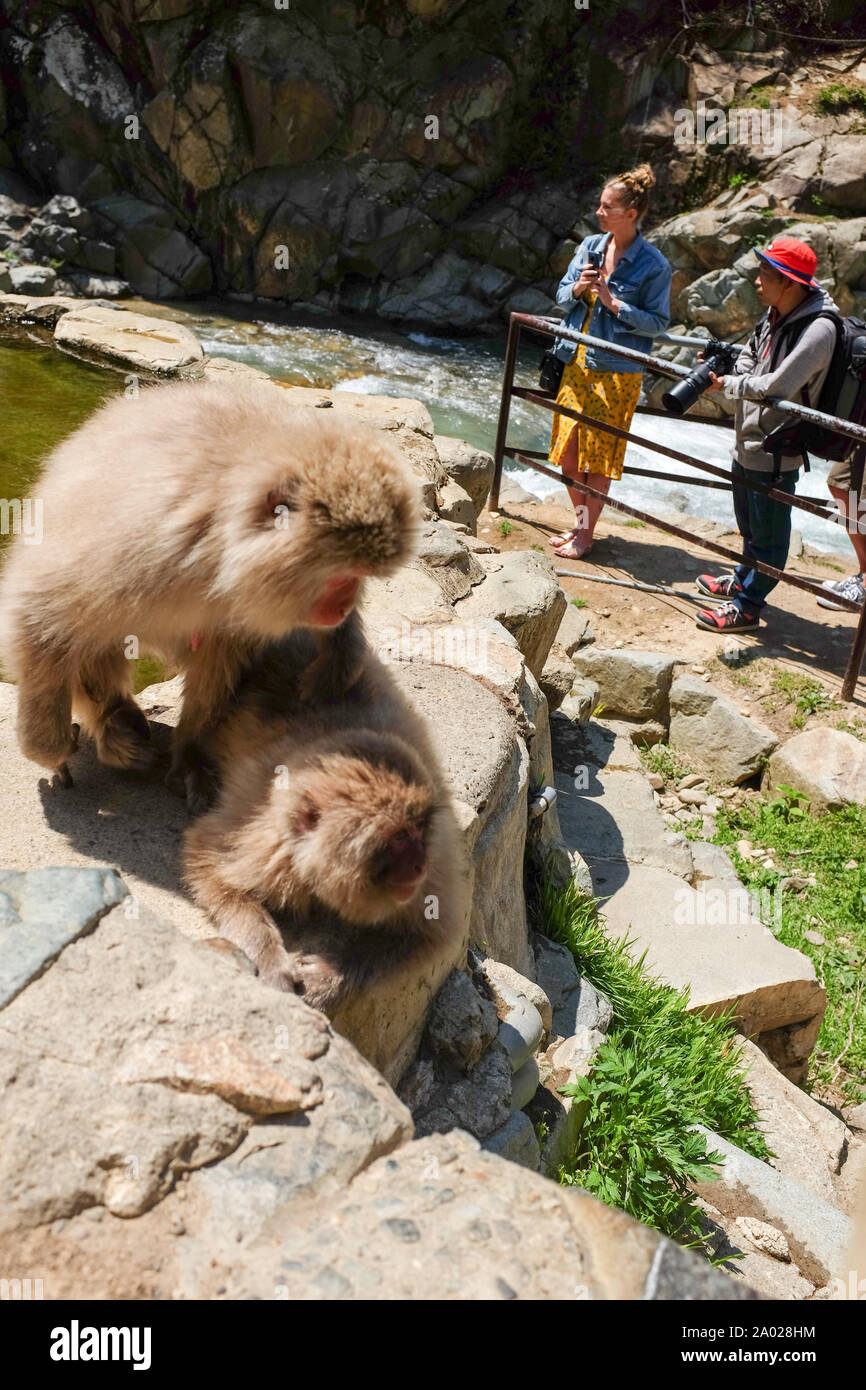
(312, 802)
(195, 508)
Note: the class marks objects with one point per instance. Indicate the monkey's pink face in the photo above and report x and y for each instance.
(335, 602)
(364, 861)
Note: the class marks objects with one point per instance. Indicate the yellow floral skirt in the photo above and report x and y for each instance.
(608, 396)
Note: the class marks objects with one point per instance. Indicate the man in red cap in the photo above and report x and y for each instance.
(784, 357)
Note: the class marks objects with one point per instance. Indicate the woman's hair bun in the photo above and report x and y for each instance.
(634, 187)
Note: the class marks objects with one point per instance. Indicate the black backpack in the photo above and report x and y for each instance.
(843, 394)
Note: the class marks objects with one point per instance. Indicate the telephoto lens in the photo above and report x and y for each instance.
(718, 360)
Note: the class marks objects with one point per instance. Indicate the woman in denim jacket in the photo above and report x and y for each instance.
(625, 302)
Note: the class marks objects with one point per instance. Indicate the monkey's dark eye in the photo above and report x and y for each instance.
(281, 500)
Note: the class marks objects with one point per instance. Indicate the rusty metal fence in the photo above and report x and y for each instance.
(722, 478)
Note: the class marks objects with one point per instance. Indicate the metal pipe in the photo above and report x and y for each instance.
(705, 544)
(855, 660)
(663, 368)
(504, 409)
(624, 583)
(527, 394)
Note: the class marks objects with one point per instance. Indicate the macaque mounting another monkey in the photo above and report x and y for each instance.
(332, 816)
(199, 522)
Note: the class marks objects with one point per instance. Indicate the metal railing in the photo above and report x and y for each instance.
(531, 458)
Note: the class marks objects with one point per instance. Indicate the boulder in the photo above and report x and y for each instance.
(157, 347)
(557, 676)
(809, 1143)
(574, 630)
(455, 504)
(516, 1141)
(581, 700)
(707, 726)
(470, 467)
(827, 765)
(140, 1056)
(32, 279)
(632, 684)
(156, 259)
(817, 1234)
(521, 592)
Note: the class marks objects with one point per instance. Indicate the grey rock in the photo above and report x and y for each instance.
(521, 592)
(516, 1141)
(818, 1235)
(582, 698)
(557, 677)
(633, 684)
(455, 504)
(139, 1056)
(706, 725)
(507, 983)
(826, 765)
(32, 279)
(575, 1002)
(41, 912)
(461, 1024)
(574, 630)
(470, 467)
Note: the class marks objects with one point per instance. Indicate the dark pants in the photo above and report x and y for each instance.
(765, 527)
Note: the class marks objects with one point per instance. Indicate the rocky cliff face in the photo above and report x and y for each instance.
(426, 161)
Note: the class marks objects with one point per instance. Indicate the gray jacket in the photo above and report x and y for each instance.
(754, 377)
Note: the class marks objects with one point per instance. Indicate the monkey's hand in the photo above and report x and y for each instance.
(338, 666)
(193, 775)
(319, 983)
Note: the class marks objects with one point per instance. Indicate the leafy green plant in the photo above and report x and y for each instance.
(580, 602)
(737, 180)
(505, 528)
(663, 759)
(637, 1151)
(806, 694)
(661, 1071)
(790, 804)
(837, 97)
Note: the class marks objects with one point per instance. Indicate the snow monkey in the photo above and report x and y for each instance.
(200, 522)
(332, 816)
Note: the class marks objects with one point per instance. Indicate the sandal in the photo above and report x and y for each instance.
(561, 540)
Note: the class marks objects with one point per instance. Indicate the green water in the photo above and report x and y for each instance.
(44, 396)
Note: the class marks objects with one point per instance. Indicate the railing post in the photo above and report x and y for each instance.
(504, 410)
(855, 660)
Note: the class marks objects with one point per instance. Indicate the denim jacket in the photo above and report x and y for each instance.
(642, 280)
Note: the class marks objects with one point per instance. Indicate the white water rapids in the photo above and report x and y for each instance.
(460, 381)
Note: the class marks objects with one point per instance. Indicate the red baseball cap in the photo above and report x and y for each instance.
(792, 258)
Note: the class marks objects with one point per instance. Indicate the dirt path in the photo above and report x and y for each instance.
(807, 642)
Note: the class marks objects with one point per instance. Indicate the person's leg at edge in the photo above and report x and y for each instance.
(766, 529)
(849, 515)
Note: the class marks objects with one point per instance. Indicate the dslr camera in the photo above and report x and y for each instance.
(718, 358)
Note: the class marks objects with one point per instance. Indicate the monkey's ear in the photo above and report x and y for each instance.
(309, 813)
(280, 501)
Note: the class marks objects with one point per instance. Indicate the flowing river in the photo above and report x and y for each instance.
(46, 394)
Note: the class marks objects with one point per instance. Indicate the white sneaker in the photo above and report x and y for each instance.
(852, 588)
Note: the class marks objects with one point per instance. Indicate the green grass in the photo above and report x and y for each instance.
(663, 759)
(807, 696)
(855, 726)
(149, 670)
(635, 522)
(737, 180)
(660, 1071)
(580, 602)
(505, 528)
(838, 97)
(820, 846)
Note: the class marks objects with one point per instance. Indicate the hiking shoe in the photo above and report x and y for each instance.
(728, 618)
(853, 587)
(717, 586)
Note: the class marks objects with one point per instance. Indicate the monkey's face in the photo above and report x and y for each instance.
(361, 833)
(322, 505)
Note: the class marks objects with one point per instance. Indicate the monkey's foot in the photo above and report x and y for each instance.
(123, 739)
(193, 776)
